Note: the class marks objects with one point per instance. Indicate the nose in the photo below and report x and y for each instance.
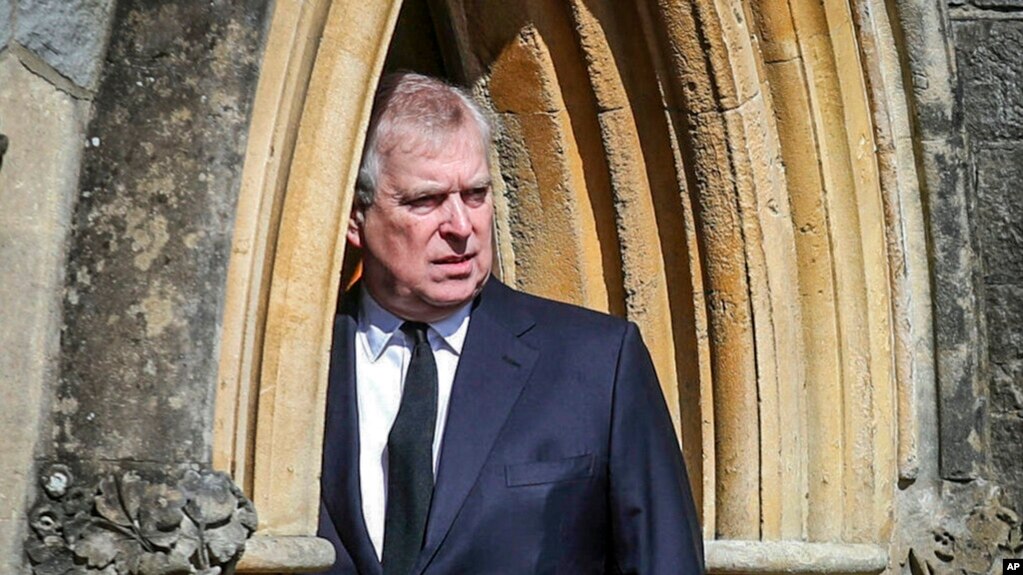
(457, 223)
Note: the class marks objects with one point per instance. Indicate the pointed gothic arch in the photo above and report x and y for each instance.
(736, 177)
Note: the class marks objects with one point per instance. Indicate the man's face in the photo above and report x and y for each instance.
(426, 237)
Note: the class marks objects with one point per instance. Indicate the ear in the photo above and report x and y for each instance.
(356, 221)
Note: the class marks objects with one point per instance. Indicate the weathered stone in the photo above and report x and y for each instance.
(991, 73)
(1005, 336)
(1006, 439)
(6, 20)
(1004, 322)
(37, 184)
(953, 244)
(152, 232)
(992, 77)
(946, 427)
(1007, 387)
(70, 35)
(162, 167)
(734, 556)
(43, 148)
(931, 77)
(146, 526)
(1000, 221)
(958, 340)
(269, 554)
(970, 529)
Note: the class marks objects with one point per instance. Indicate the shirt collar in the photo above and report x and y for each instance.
(380, 325)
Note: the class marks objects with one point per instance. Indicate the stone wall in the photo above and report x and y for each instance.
(981, 516)
(989, 43)
(126, 124)
(964, 517)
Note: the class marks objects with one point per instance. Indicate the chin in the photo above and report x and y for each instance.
(454, 296)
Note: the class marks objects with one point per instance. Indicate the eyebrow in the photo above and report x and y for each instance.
(430, 189)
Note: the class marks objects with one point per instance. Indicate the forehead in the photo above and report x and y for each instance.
(457, 154)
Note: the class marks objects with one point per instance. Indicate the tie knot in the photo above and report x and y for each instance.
(415, 330)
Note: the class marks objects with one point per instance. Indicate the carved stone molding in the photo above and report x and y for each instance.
(970, 536)
(793, 558)
(126, 525)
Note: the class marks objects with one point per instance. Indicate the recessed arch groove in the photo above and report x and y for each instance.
(730, 340)
(642, 79)
(799, 143)
(589, 188)
(548, 195)
(281, 93)
(860, 128)
(643, 272)
(903, 217)
(695, 369)
(853, 407)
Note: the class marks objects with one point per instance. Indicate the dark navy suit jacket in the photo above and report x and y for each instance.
(558, 455)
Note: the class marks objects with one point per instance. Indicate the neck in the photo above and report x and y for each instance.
(430, 315)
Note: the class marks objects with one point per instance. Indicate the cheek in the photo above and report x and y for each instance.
(486, 233)
(392, 246)
(400, 235)
(412, 244)
(483, 220)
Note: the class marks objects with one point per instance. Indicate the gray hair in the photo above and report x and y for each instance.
(410, 107)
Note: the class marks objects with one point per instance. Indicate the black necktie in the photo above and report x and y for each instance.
(410, 458)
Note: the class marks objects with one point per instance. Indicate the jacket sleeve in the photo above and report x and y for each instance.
(654, 526)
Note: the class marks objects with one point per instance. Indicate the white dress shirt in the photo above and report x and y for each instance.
(382, 353)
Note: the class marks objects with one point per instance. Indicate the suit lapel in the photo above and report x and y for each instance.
(342, 493)
(494, 367)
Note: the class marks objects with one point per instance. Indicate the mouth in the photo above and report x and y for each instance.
(456, 265)
(455, 259)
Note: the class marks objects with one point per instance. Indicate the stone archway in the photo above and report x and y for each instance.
(736, 177)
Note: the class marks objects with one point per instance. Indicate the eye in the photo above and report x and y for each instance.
(425, 203)
(476, 196)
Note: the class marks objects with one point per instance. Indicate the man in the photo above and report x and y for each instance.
(473, 429)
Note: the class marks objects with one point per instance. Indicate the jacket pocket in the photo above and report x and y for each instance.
(540, 472)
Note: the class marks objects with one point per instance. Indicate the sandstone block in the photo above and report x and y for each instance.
(70, 35)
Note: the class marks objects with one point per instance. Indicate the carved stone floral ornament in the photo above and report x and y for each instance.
(126, 525)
